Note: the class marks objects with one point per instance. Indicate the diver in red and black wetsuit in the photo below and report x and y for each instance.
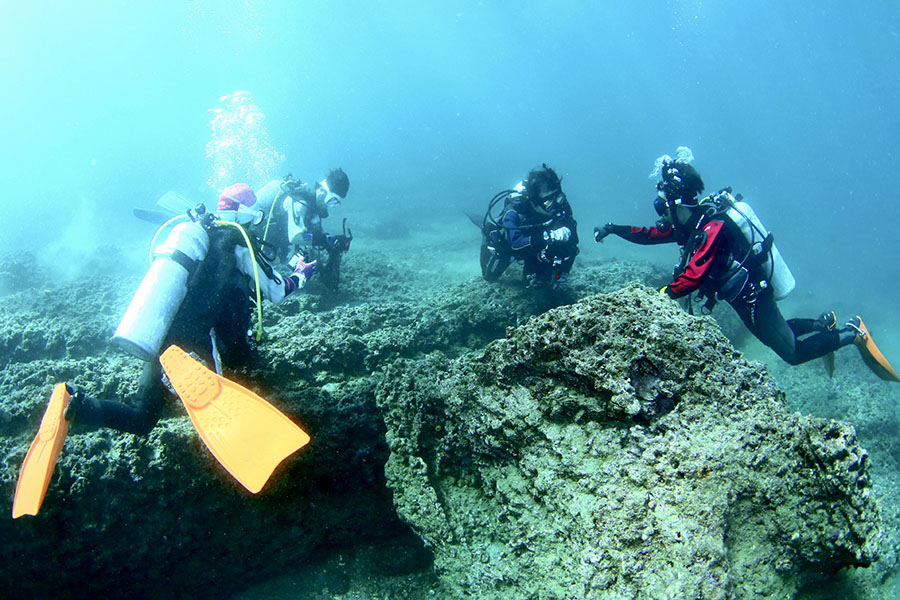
(721, 263)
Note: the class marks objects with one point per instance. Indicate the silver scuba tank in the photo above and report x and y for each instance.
(152, 310)
(775, 269)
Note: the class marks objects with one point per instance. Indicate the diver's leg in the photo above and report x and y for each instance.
(536, 272)
(331, 272)
(826, 322)
(804, 326)
(138, 418)
(765, 321)
(820, 344)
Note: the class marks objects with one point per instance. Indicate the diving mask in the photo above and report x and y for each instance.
(661, 203)
(550, 201)
(661, 206)
(331, 199)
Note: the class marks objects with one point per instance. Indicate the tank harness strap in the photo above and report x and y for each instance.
(767, 244)
(189, 264)
(757, 254)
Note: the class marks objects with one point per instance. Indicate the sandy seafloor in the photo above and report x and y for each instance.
(441, 249)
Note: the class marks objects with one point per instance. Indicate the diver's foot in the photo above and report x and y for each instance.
(561, 284)
(76, 399)
(86, 409)
(827, 320)
(536, 283)
(855, 326)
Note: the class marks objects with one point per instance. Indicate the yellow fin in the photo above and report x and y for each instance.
(40, 461)
(828, 359)
(872, 356)
(246, 434)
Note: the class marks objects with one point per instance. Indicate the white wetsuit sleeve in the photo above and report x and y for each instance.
(269, 288)
(296, 221)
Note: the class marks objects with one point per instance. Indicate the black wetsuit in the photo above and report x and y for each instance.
(710, 245)
(217, 299)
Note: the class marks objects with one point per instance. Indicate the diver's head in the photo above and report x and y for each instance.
(333, 188)
(681, 183)
(676, 195)
(236, 195)
(543, 190)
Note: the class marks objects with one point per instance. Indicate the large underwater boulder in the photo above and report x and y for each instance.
(619, 448)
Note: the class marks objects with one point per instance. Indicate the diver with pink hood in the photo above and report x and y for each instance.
(191, 314)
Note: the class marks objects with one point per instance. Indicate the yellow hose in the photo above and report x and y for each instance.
(255, 277)
(252, 257)
(278, 197)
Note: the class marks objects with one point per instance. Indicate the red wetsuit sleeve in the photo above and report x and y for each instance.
(643, 235)
(699, 264)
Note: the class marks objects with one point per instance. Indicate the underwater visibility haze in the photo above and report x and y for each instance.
(432, 109)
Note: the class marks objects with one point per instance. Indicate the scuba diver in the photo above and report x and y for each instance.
(295, 222)
(727, 254)
(194, 300)
(535, 227)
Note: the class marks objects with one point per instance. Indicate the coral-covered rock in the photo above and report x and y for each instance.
(619, 448)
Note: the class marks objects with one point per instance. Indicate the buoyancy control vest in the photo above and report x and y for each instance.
(755, 256)
(179, 264)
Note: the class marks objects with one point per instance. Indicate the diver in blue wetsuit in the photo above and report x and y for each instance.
(535, 227)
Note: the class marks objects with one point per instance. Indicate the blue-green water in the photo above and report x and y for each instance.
(108, 105)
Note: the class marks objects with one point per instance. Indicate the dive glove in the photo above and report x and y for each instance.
(303, 269)
(601, 232)
(560, 234)
(342, 242)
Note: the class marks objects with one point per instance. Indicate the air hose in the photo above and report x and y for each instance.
(255, 276)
